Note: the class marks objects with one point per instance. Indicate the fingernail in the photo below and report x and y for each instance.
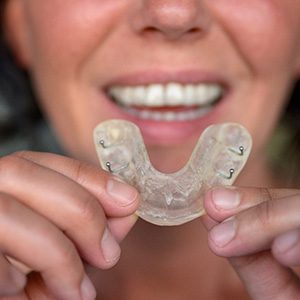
(121, 192)
(286, 241)
(226, 198)
(110, 248)
(87, 289)
(223, 233)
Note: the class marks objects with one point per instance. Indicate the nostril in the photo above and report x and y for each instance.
(152, 30)
(194, 30)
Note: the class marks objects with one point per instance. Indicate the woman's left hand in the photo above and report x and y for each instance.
(258, 229)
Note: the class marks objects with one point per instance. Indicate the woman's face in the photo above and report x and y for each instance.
(173, 66)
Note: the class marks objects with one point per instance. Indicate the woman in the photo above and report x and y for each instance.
(62, 219)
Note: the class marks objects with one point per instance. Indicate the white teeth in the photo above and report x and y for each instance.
(168, 116)
(189, 94)
(153, 95)
(136, 99)
(138, 95)
(171, 94)
(174, 94)
(126, 94)
(202, 93)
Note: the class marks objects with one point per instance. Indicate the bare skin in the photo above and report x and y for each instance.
(66, 217)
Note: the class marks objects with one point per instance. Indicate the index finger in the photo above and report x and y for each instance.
(116, 197)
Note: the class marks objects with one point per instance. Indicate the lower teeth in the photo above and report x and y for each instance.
(169, 115)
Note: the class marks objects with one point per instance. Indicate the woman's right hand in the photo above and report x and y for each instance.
(55, 214)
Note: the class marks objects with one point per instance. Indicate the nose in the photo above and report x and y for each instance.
(172, 19)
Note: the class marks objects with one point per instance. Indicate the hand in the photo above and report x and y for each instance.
(258, 229)
(55, 213)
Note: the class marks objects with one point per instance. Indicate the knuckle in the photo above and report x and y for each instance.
(60, 248)
(66, 254)
(8, 160)
(82, 172)
(79, 171)
(20, 153)
(11, 166)
(7, 205)
(248, 261)
(87, 209)
(265, 213)
(267, 194)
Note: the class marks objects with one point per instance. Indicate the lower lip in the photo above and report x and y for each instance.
(168, 132)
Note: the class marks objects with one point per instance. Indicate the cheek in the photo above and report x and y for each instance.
(265, 33)
(62, 36)
(64, 33)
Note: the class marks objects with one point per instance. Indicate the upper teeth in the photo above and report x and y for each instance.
(171, 94)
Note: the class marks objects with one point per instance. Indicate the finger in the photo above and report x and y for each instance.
(37, 290)
(40, 245)
(21, 296)
(253, 214)
(116, 197)
(221, 203)
(208, 222)
(68, 205)
(286, 248)
(120, 227)
(264, 278)
(255, 228)
(18, 265)
(12, 281)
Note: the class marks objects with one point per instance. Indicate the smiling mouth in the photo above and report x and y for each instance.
(167, 102)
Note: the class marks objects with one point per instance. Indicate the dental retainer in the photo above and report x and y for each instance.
(172, 199)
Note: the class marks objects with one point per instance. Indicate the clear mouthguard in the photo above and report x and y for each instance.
(172, 199)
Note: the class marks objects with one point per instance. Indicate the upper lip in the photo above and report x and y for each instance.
(164, 77)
